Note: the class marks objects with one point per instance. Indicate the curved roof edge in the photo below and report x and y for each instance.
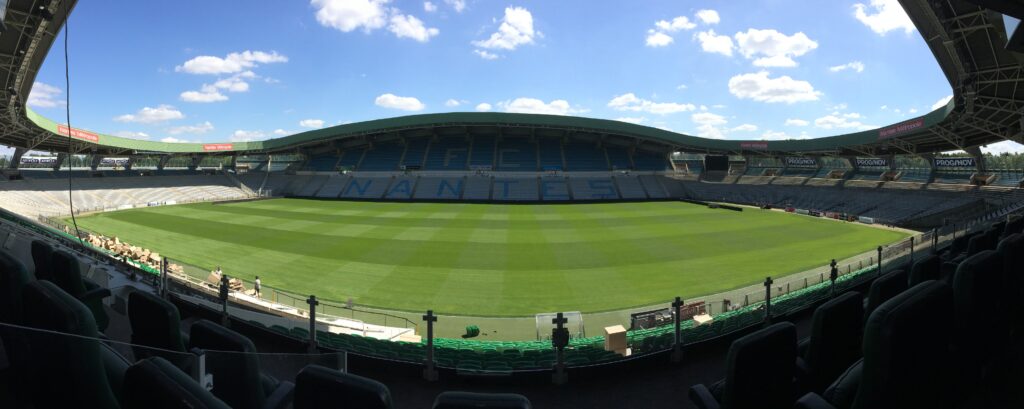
(455, 119)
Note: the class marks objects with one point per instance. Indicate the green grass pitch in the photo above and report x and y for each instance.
(489, 259)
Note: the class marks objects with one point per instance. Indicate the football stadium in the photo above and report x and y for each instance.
(508, 256)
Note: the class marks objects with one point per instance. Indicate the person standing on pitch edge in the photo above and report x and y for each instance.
(257, 287)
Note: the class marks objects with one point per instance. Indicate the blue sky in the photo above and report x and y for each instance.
(233, 71)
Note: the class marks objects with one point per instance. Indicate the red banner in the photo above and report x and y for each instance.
(218, 147)
(900, 128)
(753, 145)
(78, 133)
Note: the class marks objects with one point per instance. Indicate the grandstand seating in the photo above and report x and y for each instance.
(950, 176)
(884, 288)
(550, 154)
(477, 188)
(481, 156)
(584, 156)
(350, 158)
(554, 188)
(653, 187)
(447, 154)
(415, 153)
(1008, 178)
(834, 343)
(236, 369)
(759, 372)
(644, 160)
(333, 186)
(366, 187)
(920, 175)
(382, 156)
(584, 188)
(440, 188)
(630, 187)
(402, 187)
(156, 383)
(323, 163)
(312, 186)
(320, 387)
(618, 158)
(156, 329)
(515, 189)
(516, 154)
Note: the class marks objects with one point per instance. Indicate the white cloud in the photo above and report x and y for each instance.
(44, 95)
(171, 139)
(486, 55)
(536, 106)
(312, 123)
(836, 120)
(393, 101)
(451, 103)
(246, 136)
(713, 43)
(888, 15)
(483, 107)
(429, 7)
(206, 94)
(758, 87)
(796, 122)
(708, 16)
(999, 148)
(516, 29)
(147, 115)
(941, 102)
(852, 66)
(707, 124)
(458, 5)
(191, 129)
(776, 49)
(133, 135)
(630, 102)
(232, 63)
(632, 119)
(280, 132)
(745, 128)
(657, 39)
(912, 110)
(406, 26)
(348, 15)
(681, 87)
(770, 135)
(678, 23)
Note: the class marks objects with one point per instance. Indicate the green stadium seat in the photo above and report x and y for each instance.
(156, 383)
(236, 370)
(760, 368)
(320, 387)
(834, 343)
(156, 329)
(41, 254)
(884, 288)
(67, 274)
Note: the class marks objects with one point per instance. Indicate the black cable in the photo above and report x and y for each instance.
(67, 111)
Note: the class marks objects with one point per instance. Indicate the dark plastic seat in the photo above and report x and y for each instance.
(760, 369)
(155, 323)
(67, 274)
(979, 311)
(927, 268)
(320, 387)
(13, 278)
(237, 379)
(41, 253)
(470, 400)
(76, 370)
(834, 344)
(155, 383)
(1012, 249)
(883, 288)
(906, 360)
(1014, 226)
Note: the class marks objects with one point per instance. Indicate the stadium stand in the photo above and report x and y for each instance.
(481, 155)
(630, 187)
(593, 188)
(515, 189)
(367, 187)
(550, 154)
(440, 188)
(516, 154)
(415, 153)
(478, 187)
(402, 187)
(351, 158)
(653, 187)
(333, 186)
(382, 156)
(323, 163)
(554, 188)
(584, 156)
(618, 157)
(447, 154)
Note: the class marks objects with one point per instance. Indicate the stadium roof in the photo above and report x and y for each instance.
(966, 40)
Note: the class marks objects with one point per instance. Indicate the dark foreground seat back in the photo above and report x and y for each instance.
(927, 268)
(155, 383)
(835, 343)
(979, 311)
(1012, 250)
(884, 288)
(470, 400)
(41, 253)
(320, 387)
(760, 370)
(72, 366)
(68, 275)
(155, 323)
(985, 241)
(906, 351)
(13, 278)
(231, 359)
